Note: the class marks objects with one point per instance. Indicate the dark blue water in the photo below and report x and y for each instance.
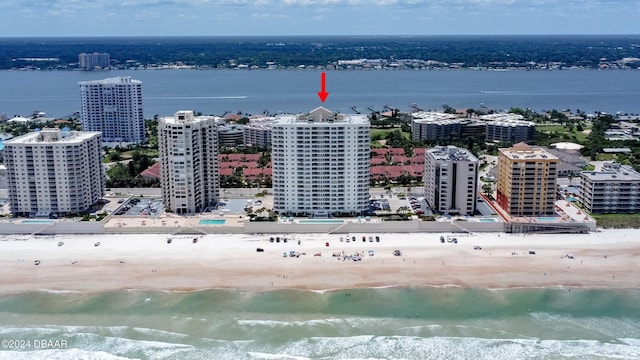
(217, 91)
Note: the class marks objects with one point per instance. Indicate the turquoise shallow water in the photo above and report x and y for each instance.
(390, 323)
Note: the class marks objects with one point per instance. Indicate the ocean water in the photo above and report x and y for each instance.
(292, 91)
(384, 323)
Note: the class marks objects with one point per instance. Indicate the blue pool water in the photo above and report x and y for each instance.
(38, 221)
(212, 222)
(320, 221)
(487, 220)
(547, 219)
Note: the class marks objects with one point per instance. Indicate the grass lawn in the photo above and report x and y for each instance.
(606, 157)
(579, 136)
(551, 128)
(384, 132)
(149, 152)
(618, 221)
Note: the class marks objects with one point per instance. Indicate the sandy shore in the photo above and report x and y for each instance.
(605, 259)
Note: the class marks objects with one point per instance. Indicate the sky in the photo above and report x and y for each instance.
(316, 17)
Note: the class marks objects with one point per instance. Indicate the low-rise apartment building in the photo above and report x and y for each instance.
(614, 188)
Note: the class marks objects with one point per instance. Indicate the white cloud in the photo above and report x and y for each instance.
(336, 16)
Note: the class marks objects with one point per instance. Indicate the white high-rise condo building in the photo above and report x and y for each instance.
(189, 175)
(94, 61)
(114, 107)
(320, 163)
(451, 180)
(53, 172)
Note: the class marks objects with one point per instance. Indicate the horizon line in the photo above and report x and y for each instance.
(315, 35)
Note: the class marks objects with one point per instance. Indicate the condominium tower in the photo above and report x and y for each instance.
(613, 188)
(94, 61)
(527, 181)
(435, 126)
(189, 175)
(320, 163)
(451, 180)
(53, 172)
(258, 133)
(509, 127)
(114, 107)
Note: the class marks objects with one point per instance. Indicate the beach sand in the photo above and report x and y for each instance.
(610, 258)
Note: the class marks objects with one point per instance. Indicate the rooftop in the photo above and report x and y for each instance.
(526, 152)
(186, 116)
(321, 115)
(567, 146)
(451, 153)
(616, 150)
(425, 117)
(53, 135)
(113, 80)
(502, 117)
(512, 123)
(613, 172)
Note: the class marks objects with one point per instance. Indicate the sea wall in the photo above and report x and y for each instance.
(61, 227)
(375, 227)
(92, 227)
(174, 230)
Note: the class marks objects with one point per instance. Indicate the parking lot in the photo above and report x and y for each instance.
(136, 206)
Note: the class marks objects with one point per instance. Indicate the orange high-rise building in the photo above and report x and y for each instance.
(527, 181)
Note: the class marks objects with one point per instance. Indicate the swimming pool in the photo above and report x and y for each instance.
(212, 222)
(38, 221)
(487, 220)
(321, 221)
(547, 219)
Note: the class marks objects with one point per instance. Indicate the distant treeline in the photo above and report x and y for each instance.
(467, 51)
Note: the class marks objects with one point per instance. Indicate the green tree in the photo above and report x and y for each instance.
(115, 156)
(487, 190)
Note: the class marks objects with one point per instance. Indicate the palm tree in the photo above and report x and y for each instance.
(487, 190)
(403, 210)
(261, 212)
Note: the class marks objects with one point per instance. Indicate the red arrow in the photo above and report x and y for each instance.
(323, 87)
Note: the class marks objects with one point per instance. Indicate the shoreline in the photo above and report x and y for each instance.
(605, 260)
(315, 291)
